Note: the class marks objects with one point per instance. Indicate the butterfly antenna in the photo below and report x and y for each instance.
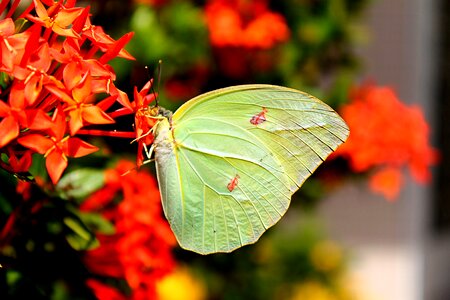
(158, 73)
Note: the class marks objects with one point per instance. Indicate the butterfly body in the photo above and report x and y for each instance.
(229, 161)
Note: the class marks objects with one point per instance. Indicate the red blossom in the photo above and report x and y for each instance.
(248, 24)
(104, 291)
(16, 115)
(99, 38)
(140, 249)
(71, 56)
(8, 52)
(387, 181)
(54, 69)
(34, 74)
(144, 120)
(57, 18)
(144, 116)
(56, 147)
(17, 163)
(385, 135)
(9, 125)
(244, 34)
(77, 97)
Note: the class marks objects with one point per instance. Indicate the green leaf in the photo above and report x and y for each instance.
(97, 223)
(60, 291)
(12, 277)
(79, 244)
(20, 24)
(5, 80)
(37, 168)
(80, 183)
(78, 228)
(81, 238)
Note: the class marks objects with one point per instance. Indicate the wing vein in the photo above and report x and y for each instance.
(260, 183)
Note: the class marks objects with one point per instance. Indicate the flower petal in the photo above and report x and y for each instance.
(9, 130)
(94, 115)
(75, 147)
(17, 96)
(64, 31)
(5, 110)
(58, 129)
(21, 164)
(40, 10)
(117, 48)
(6, 27)
(83, 89)
(66, 17)
(122, 97)
(33, 88)
(58, 92)
(41, 59)
(387, 182)
(72, 75)
(36, 142)
(38, 119)
(55, 163)
(76, 121)
(103, 291)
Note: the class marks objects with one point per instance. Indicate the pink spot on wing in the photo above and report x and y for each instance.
(259, 118)
(233, 183)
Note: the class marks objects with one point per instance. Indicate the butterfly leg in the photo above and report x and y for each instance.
(149, 152)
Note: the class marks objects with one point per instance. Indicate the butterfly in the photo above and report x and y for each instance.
(229, 161)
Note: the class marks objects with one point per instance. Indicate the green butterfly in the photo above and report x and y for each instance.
(228, 161)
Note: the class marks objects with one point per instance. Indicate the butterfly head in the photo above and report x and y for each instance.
(164, 112)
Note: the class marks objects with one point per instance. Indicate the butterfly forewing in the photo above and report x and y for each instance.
(238, 154)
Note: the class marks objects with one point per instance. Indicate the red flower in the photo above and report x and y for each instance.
(247, 24)
(78, 96)
(385, 135)
(56, 147)
(144, 116)
(103, 291)
(9, 125)
(144, 120)
(387, 181)
(70, 54)
(17, 163)
(57, 18)
(16, 115)
(140, 249)
(99, 38)
(34, 74)
(10, 45)
(60, 74)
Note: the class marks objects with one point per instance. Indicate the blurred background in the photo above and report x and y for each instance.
(403, 249)
(342, 238)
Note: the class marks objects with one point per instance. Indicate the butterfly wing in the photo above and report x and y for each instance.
(232, 159)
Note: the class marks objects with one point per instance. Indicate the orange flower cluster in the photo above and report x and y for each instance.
(140, 249)
(55, 81)
(386, 135)
(248, 24)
